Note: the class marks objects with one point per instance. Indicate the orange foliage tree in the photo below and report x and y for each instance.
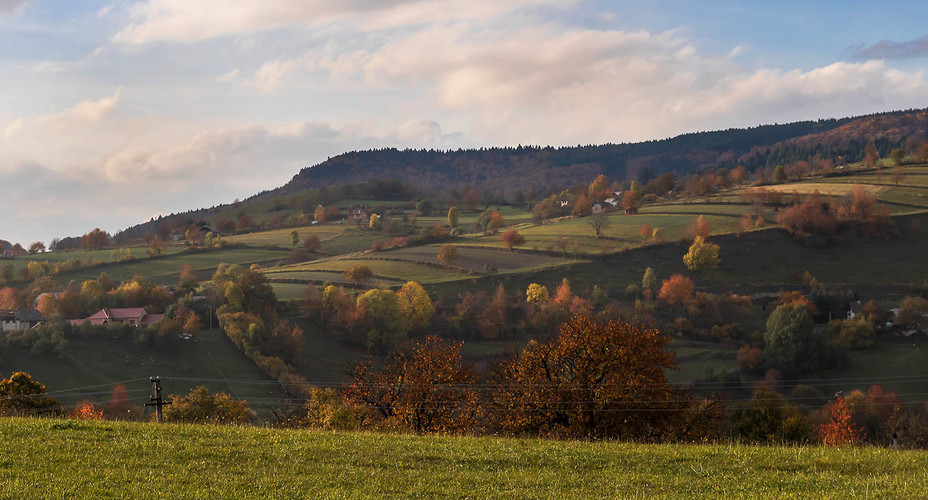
(427, 389)
(512, 238)
(86, 410)
(677, 290)
(593, 380)
(839, 430)
(811, 221)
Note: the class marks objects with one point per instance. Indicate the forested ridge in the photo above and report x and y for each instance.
(536, 168)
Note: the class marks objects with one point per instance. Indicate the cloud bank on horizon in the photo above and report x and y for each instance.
(112, 113)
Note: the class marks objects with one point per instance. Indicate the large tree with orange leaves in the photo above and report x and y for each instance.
(427, 389)
(593, 380)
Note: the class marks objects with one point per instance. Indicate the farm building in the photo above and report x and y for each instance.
(126, 316)
(358, 213)
(20, 319)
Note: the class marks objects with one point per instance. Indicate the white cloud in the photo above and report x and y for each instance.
(96, 164)
(555, 85)
(228, 77)
(188, 21)
(12, 5)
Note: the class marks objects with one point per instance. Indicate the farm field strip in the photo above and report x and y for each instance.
(202, 461)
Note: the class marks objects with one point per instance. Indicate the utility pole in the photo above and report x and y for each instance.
(156, 399)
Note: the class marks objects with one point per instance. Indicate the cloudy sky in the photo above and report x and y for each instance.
(112, 112)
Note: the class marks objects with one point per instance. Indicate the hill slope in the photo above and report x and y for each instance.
(109, 460)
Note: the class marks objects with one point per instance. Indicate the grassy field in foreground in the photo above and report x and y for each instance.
(71, 459)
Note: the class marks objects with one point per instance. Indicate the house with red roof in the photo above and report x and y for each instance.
(125, 316)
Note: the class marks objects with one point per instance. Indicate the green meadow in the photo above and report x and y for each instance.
(75, 459)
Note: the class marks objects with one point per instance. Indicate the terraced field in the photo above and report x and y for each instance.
(165, 270)
(393, 272)
(85, 256)
(281, 237)
(476, 258)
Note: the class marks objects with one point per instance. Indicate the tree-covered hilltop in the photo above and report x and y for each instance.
(534, 168)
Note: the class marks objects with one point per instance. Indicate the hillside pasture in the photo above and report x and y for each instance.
(165, 270)
(475, 259)
(74, 459)
(90, 367)
(397, 271)
(674, 221)
(281, 237)
(85, 256)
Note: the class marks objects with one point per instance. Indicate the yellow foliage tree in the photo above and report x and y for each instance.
(702, 255)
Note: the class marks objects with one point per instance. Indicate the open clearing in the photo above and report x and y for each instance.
(281, 237)
(73, 459)
(165, 270)
(476, 259)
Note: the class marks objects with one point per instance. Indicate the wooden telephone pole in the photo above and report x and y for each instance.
(157, 400)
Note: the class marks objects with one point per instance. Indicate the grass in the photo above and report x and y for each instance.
(281, 237)
(85, 256)
(90, 368)
(389, 269)
(165, 270)
(474, 259)
(72, 459)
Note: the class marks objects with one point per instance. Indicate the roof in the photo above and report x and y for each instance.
(27, 315)
(117, 314)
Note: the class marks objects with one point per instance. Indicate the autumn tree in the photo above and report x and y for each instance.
(426, 389)
(245, 222)
(447, 254)
(897, 175)
(359, 274)
(791, 341)
(424, 207)
(415, 305)
(376, 222)
(913, 313)
(871, 155)
(676, 290)
(645, 231)
(21, 395)
(897, 155)
(779, 174)
(812, 221)
(701, 227)
(868, 217)
(840, 430)
(769, 418)
(294, 238)
(702, 255)
(95, 239)
(599, 188)
(453, 216)
(512, 238)
(312, 243)
(380, 314)
(649, 281)
(631, 201)
(593, 380)
(10, 298)
(202, 406)
(537, 294)
(37, 247)
(599, 222)
(226, 226)
(495, 222)
(319, 214)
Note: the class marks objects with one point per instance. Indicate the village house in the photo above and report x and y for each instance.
(20, 319)
(125, 316)
(358, 213)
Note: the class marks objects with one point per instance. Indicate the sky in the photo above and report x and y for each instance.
(114, 112)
